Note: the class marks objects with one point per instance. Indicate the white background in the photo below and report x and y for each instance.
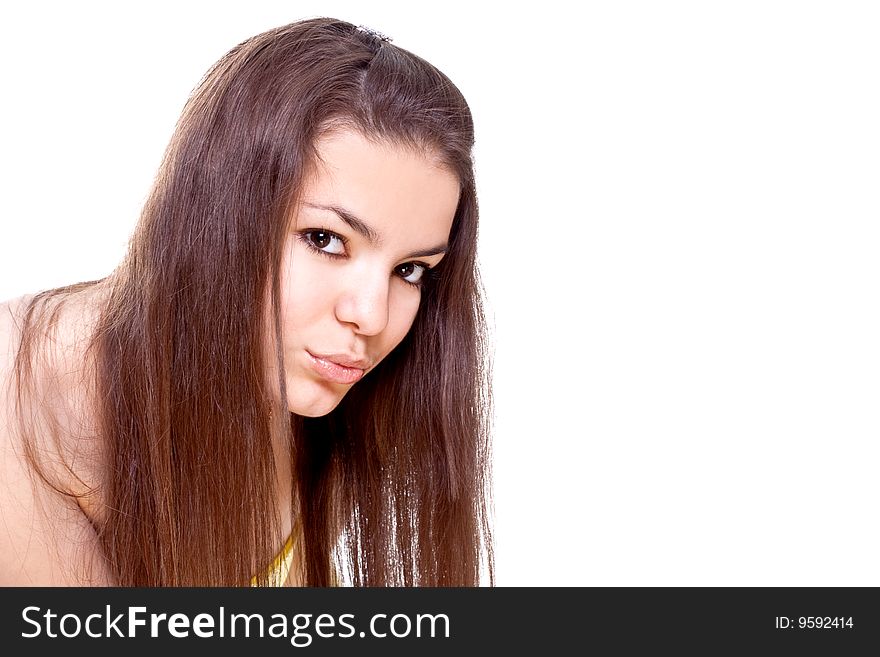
(679, 241)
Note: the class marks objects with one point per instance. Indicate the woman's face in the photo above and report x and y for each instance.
(374, 218)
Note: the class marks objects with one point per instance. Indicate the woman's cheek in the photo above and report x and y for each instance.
(403, 314)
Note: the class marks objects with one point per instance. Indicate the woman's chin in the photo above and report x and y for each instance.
(311, 400)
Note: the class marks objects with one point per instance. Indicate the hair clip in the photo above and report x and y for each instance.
(374, 33)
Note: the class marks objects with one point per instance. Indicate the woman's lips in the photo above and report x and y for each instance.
(333, 371)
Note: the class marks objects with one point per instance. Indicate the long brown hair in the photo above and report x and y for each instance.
(393, 486)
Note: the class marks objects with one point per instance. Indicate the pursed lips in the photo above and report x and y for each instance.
(338, 368)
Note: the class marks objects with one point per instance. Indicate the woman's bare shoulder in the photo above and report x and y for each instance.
(45, 539)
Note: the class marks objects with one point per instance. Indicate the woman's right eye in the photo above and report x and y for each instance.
(325, 242)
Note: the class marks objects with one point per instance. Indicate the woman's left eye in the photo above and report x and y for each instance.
(411, 272)
(325, 241)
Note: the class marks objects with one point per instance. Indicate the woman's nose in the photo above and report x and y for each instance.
(364, 302)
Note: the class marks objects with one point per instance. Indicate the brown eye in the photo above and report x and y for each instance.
(325, 241)
(411, 272)
(320, 239)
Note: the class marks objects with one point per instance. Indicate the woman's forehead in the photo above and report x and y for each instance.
(383, 183)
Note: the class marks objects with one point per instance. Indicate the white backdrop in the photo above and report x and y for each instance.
(679, 241)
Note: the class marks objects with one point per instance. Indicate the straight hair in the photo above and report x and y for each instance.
(393, 487)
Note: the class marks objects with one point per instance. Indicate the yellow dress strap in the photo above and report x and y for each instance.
(280, 568)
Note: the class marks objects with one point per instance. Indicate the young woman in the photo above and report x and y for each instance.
(285, 379)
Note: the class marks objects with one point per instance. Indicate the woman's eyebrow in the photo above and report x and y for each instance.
(360, 226)
(427, 253)
(356, 224)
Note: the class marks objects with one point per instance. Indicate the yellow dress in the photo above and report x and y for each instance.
(280, 567)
